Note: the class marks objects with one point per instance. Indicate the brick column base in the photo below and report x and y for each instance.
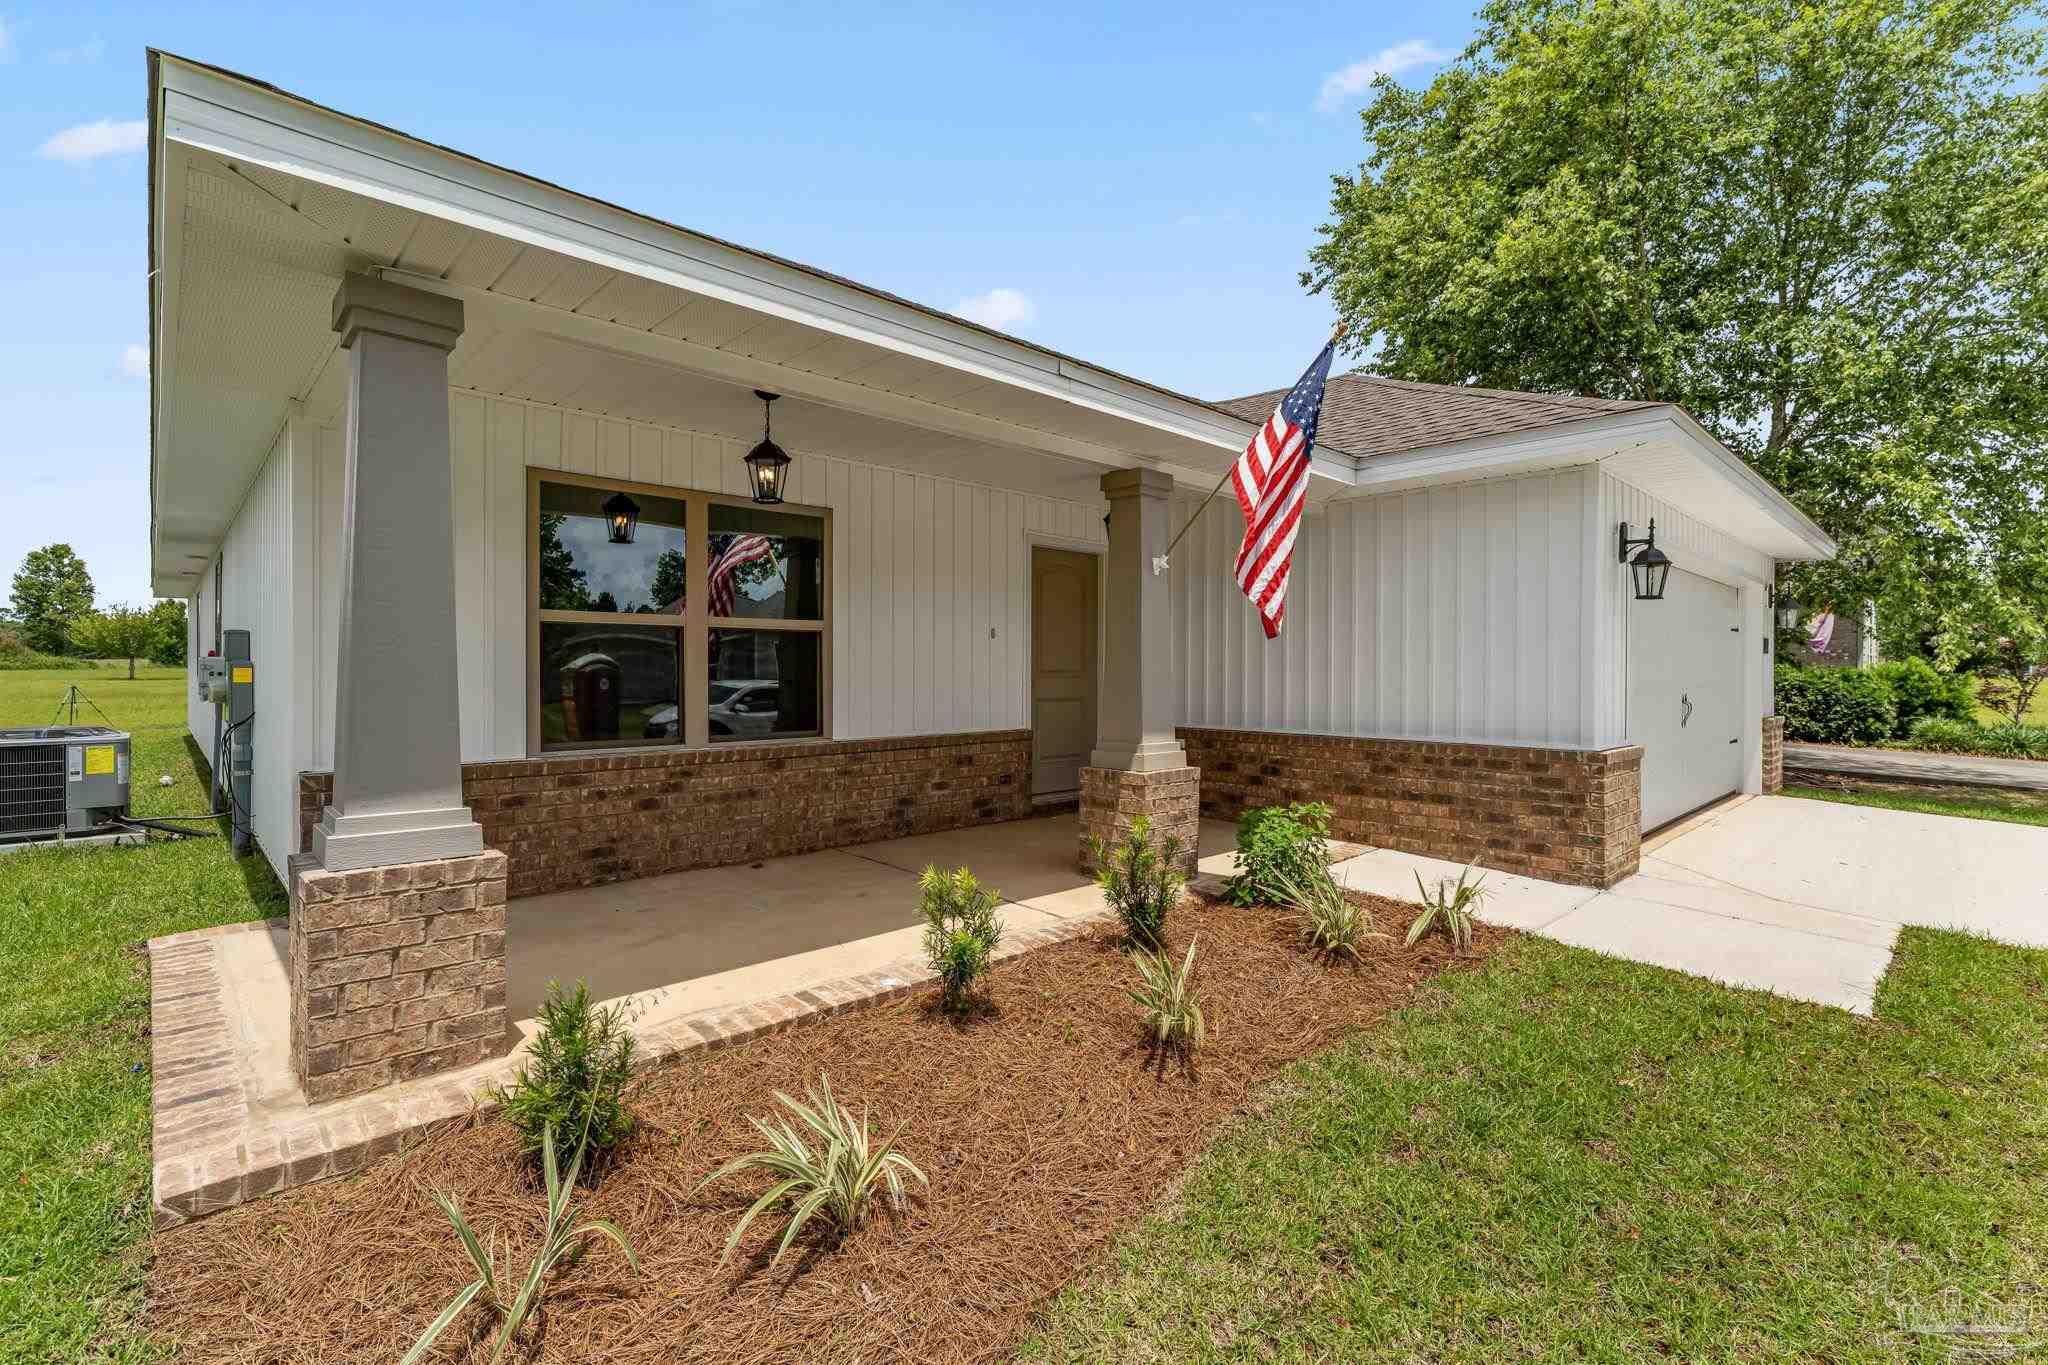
(396, 971)
(1774, 755)
(1111, 799)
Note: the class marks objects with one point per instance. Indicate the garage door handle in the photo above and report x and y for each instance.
(1736, 740)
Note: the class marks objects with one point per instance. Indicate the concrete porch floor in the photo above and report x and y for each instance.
(698, 959)
(659, 939)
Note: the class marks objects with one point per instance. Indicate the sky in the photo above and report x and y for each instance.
(1135, 185)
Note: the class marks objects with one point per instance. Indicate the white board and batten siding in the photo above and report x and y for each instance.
(256, 593)
(1454, 613)
(930, 616)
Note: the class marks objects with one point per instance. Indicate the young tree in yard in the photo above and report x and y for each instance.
(173, 632)
(2014, 664)
(52, 591)
(1819, 228)
(119, 632)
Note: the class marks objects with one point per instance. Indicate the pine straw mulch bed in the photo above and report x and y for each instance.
(1046, 1127)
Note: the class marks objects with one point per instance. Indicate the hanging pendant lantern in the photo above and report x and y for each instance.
(622, 515)
(767, 463)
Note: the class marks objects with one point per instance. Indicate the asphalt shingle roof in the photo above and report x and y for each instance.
(1366, 415)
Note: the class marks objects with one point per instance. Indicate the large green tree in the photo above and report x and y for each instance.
(1819, 227)
(52, 592)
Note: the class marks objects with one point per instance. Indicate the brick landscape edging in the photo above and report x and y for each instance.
(583, 819)
(211, 1150)
(1569, 815)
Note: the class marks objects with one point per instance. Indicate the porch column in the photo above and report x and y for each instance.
(1138, 766)
(398, 912)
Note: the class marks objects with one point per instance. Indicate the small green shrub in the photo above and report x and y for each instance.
(1968, 737)
(1947, 736)
(564, 1237)
(960, 931)
(1141, 882)
(575, 1076)
(835, 1181)
(1449, 908)
(1276, 843)
(1166, 994)
(1332, 922)
(1834, 705)
(1920, 693)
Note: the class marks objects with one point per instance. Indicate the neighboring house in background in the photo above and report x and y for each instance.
(1828, 639)
(398, 393)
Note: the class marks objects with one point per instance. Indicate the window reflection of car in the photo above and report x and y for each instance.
(746, 708)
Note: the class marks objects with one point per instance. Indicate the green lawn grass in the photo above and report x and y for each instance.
(74, 1083)
(1564, 1157)
(1988, 807)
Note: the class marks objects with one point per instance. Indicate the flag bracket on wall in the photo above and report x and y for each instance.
(1272, 485)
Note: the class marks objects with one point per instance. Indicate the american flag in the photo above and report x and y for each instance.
(1271, 478)
(739, 550)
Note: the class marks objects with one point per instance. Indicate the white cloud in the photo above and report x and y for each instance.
(6, 41)
(135, 361)
(91, 141)
(91, 50)
(999, 308)
(1357, 78)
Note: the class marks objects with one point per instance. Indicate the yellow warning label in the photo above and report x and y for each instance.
(99, 760)
(244, 673)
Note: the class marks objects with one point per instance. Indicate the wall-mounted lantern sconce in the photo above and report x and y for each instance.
(622, 515)
(1647, 565)
(767, 463)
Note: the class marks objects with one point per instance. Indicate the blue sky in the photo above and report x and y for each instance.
(1137, 188)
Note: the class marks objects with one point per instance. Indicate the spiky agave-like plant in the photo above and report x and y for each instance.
(565, 1235)
(1332, 922)
(833, 1174)
(1166, 993)
(1450, 907)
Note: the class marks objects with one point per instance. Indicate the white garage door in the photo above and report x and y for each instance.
(1685, 662)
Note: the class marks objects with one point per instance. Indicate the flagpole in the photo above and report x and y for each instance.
(1159, 562)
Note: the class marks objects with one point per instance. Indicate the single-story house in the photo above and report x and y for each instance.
(466, 455)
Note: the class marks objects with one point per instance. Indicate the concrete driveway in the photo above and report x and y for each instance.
(1802, 898)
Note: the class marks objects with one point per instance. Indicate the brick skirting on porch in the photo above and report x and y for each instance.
(1569, 815)
(580, 819)
(1774, 755)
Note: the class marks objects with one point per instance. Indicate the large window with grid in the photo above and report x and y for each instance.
(665, 616)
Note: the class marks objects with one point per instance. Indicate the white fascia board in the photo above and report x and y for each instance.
(1592, 441)
(1737, 471)
(241, 122)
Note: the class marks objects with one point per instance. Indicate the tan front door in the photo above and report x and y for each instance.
(1062, 669)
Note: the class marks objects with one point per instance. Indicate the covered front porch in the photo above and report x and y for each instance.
(697, 959)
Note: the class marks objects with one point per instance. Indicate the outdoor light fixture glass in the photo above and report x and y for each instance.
(767, 463)
(622, 514)
(1648, 565)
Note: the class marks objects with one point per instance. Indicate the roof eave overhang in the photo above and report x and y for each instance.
(1598, 440)
(242, 120)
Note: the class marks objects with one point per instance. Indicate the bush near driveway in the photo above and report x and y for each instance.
(74, 1080)
(1834, 705)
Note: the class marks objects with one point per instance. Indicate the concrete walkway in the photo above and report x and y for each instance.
(1801, 898)
(1902, 765)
